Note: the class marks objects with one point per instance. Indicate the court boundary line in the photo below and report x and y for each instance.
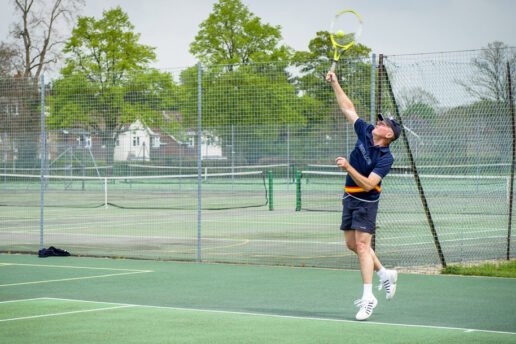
(20, 300)
(120, 306)
(125, 272)
(270, 315)
(74, 267)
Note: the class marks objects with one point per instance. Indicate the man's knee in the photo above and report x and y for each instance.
(362, 247)
(352, 245)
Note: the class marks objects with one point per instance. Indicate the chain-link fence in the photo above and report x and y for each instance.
(224, 163)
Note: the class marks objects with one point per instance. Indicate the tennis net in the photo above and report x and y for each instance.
(180, 191)
(447, 194)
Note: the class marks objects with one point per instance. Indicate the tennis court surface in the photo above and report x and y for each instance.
(93, 300)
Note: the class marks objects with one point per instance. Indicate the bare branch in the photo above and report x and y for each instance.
(489, 81)
(37, 29)
(8, 54)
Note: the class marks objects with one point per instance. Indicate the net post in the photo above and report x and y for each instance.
(271, 199)
(298, 190)
(105, 193)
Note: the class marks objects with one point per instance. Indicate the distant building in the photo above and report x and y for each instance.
(134, 142)
(138, 142)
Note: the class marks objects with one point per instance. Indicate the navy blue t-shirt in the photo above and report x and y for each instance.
(367, 158)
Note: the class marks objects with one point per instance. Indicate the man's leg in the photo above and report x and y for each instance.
(349, 237)
(354, 241)
(377, 264)
(388, 278)
(365, 256)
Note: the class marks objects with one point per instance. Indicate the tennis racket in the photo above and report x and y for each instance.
(345, 31)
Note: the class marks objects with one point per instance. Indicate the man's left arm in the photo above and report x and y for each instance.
(367, 183)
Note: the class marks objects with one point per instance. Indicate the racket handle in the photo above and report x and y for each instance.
(333, 66)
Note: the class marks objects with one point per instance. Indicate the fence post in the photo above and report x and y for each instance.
(378, 103)
(199, 161)
(43, 161)
(373, 79)
(513, 158)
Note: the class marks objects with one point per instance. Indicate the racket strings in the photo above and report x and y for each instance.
(346, 28)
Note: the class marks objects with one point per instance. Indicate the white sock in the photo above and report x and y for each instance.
(382, 273)
(368, 291)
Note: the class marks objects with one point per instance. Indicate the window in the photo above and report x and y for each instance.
(11, 109)
(84, 141)
(156, 142)
(136, 141)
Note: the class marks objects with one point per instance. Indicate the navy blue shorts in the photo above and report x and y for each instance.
(358, 215)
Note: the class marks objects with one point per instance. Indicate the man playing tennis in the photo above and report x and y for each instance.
(368, 164)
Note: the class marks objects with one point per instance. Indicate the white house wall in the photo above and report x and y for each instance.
(126, 150)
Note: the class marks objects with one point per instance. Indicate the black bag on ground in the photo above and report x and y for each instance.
(52, 252)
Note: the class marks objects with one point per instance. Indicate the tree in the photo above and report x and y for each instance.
(248, 107)
(106, 50)
(320, 51)
(107, 81)
(419, 103)
(37, 29)
(490, 80)
(233, 35)
(354, 70)
(37, 36)
(313, 64)
(19, 122)
(7, 60)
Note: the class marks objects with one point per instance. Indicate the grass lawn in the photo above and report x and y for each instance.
(498, 269)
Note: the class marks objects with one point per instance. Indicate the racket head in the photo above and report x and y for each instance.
(346, 28)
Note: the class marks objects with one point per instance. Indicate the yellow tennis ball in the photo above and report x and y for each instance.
(340, 34)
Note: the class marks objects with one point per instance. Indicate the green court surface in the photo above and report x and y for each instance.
(93, 300)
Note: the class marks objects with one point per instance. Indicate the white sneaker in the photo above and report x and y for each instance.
(366, 308)
(389, 284)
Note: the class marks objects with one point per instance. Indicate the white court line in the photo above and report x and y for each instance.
(122, 273)
(66, 313)
(73, 278)
(22, 300)
(466, 330)
(76, 267)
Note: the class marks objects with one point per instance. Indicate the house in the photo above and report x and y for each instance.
(9, 110)
(211, 145)
(138, 142)
(134, 142)
(172, 148)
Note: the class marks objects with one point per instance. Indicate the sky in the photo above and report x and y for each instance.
(391, 27)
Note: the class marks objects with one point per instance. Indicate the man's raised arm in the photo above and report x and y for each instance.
(345, 104)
